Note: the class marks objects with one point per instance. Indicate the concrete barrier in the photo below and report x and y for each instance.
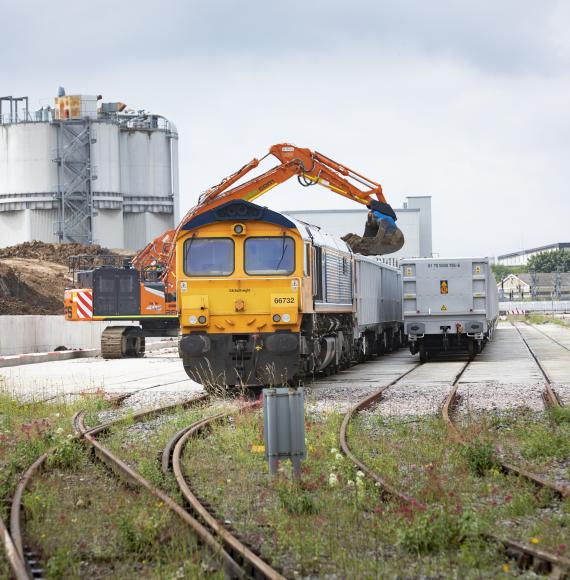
(35, 333)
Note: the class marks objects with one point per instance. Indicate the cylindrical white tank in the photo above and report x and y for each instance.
(26, 158)
(105, 158)
(132, 177)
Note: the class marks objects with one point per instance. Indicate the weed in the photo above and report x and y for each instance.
(295, 500)
(63, 564)
(560, 414)
(480, 457)
(436, 529)
(522, 504)
(67, 454)
(543, 443)
(141, 530)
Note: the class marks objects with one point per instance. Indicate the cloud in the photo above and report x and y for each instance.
(467, 102)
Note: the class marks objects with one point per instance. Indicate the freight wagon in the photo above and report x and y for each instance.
(266, 299)
(449, 304)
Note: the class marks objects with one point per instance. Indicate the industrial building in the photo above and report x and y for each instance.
(414, 219)
(522, 257)
(86, 171)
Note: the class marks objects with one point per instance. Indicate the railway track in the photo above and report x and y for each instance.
(452, 401)
(238, 560)
(551, 338)
(250, 562)
(25, 563)
(550, 396)
(527, 556)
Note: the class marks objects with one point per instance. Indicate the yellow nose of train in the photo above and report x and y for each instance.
(240, 271)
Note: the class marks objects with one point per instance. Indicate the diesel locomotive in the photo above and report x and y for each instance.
(267, 300)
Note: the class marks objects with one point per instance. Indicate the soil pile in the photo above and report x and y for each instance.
(18, 296)
(34, 275)
(58, 253)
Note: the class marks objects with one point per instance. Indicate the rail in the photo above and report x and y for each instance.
(172, 458)
(526, 555)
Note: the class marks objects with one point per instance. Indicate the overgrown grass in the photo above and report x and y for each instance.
(84, 522)
(334, 520)
(546, 319)
(29, 429)
(141, 444)
(80, 519)
(469, 476)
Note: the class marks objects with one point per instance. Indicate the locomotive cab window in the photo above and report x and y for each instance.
(269, 256)
(208, 257)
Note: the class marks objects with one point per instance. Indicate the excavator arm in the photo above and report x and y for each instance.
(311, 168)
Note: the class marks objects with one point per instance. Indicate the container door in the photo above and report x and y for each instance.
(444, 287)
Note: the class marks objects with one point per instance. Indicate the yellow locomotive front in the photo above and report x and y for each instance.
(242, 285)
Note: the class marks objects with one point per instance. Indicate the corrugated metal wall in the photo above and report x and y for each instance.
(338, 278)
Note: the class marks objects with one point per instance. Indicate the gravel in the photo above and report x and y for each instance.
(477, 397)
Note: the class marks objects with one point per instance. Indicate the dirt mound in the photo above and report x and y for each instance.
(33, 275)
(58, 253)
(18, 296)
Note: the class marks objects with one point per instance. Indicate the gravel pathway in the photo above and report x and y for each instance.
(478, 397)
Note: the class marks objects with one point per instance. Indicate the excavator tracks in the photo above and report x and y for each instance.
(122, 342)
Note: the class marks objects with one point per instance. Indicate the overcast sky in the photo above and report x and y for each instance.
(468, 102)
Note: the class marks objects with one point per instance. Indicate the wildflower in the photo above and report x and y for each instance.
(506, 568)
(338, 457)
(333, 479)
(359, 482)
(59, 430)
(57, 415)
(378, 484)
(333, 450)
(69, 436)
(359, 474)
(534, 540)
(350, 483)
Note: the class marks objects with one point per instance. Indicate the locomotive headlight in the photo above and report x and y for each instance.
(276, 318)
(286, 318)
(193, 319)
(202, 319)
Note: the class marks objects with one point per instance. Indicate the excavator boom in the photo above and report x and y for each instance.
(381, 236)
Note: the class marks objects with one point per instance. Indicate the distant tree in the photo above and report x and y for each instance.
(501, 272)
(550, 261)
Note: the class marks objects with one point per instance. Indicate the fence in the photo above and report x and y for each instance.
(546, 306)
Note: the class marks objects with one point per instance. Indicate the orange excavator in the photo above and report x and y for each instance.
(144, 289)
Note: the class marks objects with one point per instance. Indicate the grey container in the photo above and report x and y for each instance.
(378, 297)
(449, 304)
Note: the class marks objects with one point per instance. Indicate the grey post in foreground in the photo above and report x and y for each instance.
(284, 427)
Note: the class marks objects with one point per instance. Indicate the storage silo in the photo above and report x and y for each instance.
(84, 173)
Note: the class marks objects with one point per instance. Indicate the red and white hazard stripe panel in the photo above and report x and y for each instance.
(83, 304)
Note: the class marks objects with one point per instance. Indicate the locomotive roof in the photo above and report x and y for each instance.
(318, 236)
(243, 211)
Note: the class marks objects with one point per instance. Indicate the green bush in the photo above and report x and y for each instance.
(296, 501)
(480, 457)
(436, 530)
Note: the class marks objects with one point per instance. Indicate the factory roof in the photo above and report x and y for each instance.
(556, 246)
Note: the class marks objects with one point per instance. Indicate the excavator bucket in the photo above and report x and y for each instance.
(381, 236)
